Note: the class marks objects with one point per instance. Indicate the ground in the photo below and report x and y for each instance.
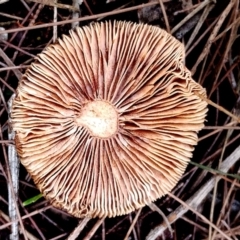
(207, 207)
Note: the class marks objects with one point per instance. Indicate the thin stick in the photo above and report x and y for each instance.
(227, 47)
(14, 67)
(18, 48)
(235, 230)
(25, 5)
(116, 225)
(4, 102)
(6, 218)
(222, 127)
(78, 229)
(75, 15)
(220, 108)
(133, 224)
(158, 210)
(233, 35)
(103, 231)
(214, 132)
(187, 9)
(54, 4)
(216, 186)
(30, 13)
(228, 72)
(9, 62)
(61, 236)
(14, 170)
(194, 224)
(94, 229)
(199, 25)
(200, 7)
(110, 13)
(220, 35)
(10, 16)
(7, 141)
(134, 230)
(212, 36)
(226, 201)
(196, 199)
(55, 11)
(25, 216)
(13, 196)
(199, 215)
(8, 86)
(165, 16)
(88, 8)
(230, 230)
(201, 37)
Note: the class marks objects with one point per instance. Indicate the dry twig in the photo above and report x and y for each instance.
(212, 36)
(78, 229)
(133, 224)
(94, 229)
(195, 200)
(55, 4)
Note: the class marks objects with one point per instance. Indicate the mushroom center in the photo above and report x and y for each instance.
(100, 118)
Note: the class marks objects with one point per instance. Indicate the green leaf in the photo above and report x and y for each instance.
(236, 176)
(32, 200)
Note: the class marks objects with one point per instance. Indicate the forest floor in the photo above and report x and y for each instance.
(205, 204)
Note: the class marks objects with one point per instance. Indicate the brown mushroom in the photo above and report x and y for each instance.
(107, 119)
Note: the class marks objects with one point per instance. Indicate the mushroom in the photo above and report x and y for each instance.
(106, 120)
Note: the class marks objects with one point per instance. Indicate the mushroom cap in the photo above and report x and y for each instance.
(106, 119)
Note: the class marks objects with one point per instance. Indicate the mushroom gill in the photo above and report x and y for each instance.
(106, 119)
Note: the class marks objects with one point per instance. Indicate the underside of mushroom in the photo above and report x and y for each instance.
(106, 119)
